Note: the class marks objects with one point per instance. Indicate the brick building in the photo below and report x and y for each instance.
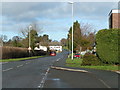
(114, 18)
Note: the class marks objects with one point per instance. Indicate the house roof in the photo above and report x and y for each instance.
(114, 11)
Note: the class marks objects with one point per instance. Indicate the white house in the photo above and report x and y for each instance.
(57, 48)
(44, 48)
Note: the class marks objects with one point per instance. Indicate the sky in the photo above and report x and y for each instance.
(54, 18)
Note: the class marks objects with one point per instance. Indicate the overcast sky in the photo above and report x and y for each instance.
(53, 17)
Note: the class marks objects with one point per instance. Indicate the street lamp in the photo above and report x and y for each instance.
(72, 28)
(68, 43)
(29, 39)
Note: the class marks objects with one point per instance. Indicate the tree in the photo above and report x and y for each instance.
(63, 42)
(82, 36)
(44, 40)
(76, 34)
(16, 41)
(54, 43)
(86, 28)
(3, 38)
(34, 38)
(25, 31)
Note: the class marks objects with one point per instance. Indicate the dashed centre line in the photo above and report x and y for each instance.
(43, 79)
(20, 65)
(7, 69)
(26, 63)
(58, 59)
(3, 62)
(12, 68)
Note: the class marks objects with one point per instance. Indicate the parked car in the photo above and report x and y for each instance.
(52, 53)
(77, 55)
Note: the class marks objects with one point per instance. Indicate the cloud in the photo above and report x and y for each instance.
(26, 11)
(29, 11)
(53, 16)
(93, 9)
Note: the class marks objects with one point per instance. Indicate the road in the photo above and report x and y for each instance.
(27, 74)
(73, 79)
(36, 73)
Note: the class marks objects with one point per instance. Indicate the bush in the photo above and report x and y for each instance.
(40, 52)
(17, 52)
(107, 45)
(14, 52)
(90, 59)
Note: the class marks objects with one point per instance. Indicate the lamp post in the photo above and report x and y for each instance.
(29, 39)
(72, 28)
(68, 43)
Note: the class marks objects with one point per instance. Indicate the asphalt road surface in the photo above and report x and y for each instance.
(29, 73)
(36, 73)
(73, 79)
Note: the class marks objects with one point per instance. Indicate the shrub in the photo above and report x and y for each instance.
(90, 59)
(17, 52)
(107, 45)
(14, 52)
(40, 52)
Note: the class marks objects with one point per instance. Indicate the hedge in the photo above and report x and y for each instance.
(14, 52)
(17, 52)
(107, 45)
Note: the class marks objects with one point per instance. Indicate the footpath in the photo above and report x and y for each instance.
(60, 76)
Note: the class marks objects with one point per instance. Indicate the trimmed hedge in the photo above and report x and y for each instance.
(17, 52)
(14, 52)
(90, 59)
(107, 45)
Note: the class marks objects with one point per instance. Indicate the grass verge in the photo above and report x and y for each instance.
(19, 59)
(76, 62)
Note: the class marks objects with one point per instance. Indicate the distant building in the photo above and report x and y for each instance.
(56, 48)
(114, 18)
(44, 48)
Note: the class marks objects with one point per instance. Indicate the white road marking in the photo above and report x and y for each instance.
(3, 62)
(7, 69)
(104, 83)
(40, 86)
(58, 59)
(43, 79)
(26, 63)
(48, 70)
(20, 65)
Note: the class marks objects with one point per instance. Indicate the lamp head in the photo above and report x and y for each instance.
(70, 2)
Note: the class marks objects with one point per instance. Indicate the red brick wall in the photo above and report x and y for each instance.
(116, 20)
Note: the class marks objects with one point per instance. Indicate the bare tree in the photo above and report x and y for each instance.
(86, 28)
(35, 26)
(63, 42)
(34, 30)
(3, 38)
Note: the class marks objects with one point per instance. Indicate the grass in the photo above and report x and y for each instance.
(18, 59)
(109, 67)
(76, 62)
